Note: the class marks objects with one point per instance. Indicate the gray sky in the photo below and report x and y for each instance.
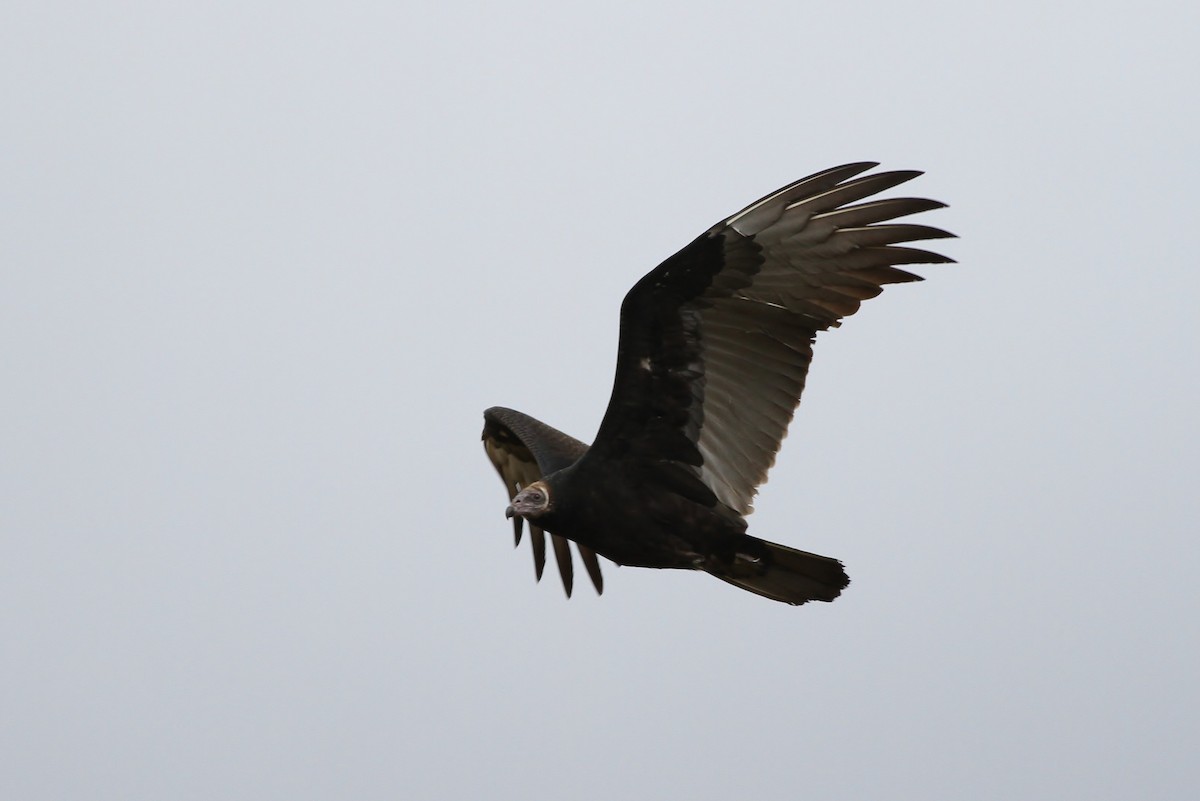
(263, 266)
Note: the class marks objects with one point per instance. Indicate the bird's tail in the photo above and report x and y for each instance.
(781, 573)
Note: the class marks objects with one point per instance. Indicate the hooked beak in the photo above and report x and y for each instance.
(508, 513)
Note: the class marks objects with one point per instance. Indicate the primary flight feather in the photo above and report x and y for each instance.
(714, 348)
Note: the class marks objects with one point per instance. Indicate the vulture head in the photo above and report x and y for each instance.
(531, 502)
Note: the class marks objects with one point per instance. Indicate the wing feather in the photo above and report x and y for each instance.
(588, 556)
(717, 340)
(562, 555)
(880, 210)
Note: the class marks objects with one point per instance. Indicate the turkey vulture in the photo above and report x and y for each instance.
(715, 344)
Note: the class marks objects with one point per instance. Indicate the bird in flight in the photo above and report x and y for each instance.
(714, 348)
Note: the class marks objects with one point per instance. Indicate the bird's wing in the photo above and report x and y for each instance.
(523, 450)
(716, 341)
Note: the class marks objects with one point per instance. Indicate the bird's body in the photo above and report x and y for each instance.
(610, 515)
(714, 350)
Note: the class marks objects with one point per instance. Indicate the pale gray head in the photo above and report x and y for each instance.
(531, 502)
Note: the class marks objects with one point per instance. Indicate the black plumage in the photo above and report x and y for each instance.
(714, 349)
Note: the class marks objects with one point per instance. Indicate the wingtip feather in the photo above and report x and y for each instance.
(562, 555)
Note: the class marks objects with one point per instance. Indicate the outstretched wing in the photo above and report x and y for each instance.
(523, 450)
(716, 341)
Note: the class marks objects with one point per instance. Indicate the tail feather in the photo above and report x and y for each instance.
(781, 573)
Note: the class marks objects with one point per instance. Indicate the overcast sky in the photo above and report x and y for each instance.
(263, 265)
